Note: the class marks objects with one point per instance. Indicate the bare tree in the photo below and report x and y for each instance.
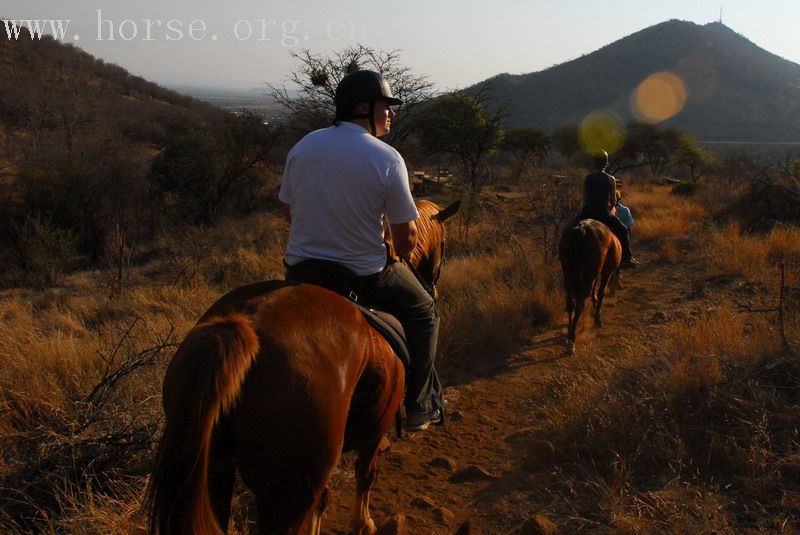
(317, 76)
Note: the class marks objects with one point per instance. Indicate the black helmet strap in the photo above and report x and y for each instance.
(370, 115)
(372, 118)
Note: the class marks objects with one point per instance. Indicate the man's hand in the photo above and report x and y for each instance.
(404, 238)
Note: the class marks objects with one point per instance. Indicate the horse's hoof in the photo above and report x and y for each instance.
(367, 529)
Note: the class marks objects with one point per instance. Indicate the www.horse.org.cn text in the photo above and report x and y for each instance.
(288, 33)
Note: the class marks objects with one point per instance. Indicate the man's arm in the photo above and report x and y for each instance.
(404, 238)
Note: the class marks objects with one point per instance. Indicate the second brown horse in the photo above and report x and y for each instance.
(590, 255)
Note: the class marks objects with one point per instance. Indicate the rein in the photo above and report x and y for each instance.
(430, 288)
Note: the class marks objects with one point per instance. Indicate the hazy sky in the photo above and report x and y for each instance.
(243, 44)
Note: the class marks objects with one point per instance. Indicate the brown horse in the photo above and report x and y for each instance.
(590, 255)
(275, 380)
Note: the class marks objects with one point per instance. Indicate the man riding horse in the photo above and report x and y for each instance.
(339, 185)
(600, 197)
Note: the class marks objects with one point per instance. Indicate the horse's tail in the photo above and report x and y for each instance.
(571, 251)
(572, 244)
(202, 382)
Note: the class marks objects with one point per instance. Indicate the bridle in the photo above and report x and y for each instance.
(429, 287)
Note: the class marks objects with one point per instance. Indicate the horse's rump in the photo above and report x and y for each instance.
(277, 378)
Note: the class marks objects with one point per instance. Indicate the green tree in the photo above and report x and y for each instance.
(460, 126)
(692, 156)
(205, 171)
(566, 140)
(528, 147)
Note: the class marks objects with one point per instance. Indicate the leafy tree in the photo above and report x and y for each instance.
(692, 156)
(317, 77)
(566, 140)
(527, 146)
(659, 146)
(648, 145)
(460, 125)
(204, 171)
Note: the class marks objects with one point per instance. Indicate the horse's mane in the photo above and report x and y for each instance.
(429, 232)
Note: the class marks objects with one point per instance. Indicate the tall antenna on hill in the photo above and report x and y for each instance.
(720, 12)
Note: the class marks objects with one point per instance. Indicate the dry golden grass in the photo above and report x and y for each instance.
(494, 295)
(729, 252)
(80, 397)
(669, 252)
(660, 214)
(724, 331)
(698, 434)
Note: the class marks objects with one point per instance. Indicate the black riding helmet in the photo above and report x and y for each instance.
(600, 160)
(362, 86)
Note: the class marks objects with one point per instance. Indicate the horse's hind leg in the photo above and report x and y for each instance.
(314, 524)
(373, 411)
(573, 325)
(601, 291)
(366, 468)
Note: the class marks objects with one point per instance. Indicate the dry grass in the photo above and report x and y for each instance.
(729, 252)
(696, 433)
(489, 306)
(658, 214)
(669, 252)
(678, 442)
(494, 294)
(80, 384)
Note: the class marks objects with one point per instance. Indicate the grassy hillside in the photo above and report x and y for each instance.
(95, 161)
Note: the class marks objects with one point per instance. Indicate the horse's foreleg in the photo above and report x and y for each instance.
(379, 394)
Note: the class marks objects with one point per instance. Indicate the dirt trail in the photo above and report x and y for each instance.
(486, 466)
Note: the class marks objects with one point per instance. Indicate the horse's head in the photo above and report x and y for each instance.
(428, 254)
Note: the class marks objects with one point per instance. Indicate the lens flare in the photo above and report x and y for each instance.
(601, 131)
(660, 96)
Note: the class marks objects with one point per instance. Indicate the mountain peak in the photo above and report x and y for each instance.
(735, 89)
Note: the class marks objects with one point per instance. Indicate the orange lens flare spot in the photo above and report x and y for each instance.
(660, 96)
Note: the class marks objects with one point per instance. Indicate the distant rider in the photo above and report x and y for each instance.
(600, 196)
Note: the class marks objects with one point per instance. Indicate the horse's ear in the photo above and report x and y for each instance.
(448, 212)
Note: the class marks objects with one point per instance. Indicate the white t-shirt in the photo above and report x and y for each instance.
(339, 182)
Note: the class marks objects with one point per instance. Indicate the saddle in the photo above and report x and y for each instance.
(343, 281)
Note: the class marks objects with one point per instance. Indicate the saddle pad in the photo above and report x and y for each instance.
(392, 333)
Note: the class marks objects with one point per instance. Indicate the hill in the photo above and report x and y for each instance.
(735, 90)
(45, 85)
(91, 155)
